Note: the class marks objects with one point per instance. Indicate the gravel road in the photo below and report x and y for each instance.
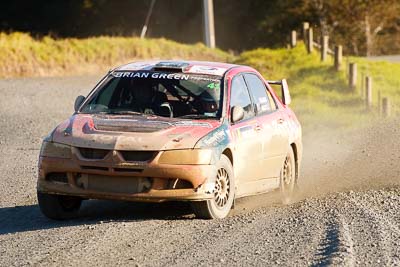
(346, 214)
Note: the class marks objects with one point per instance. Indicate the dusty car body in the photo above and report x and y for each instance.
(218, 133)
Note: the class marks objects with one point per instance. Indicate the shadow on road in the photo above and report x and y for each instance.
(29, 218)
(329, 248)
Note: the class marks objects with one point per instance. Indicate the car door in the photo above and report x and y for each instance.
(270, 120)
(247, 141)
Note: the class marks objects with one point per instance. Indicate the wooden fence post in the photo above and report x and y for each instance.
(386, 107)
(324, 47)
(338, 57)
(379, 102)
(293, 39)
(310, 41)
(362, 84)
(368, 92)
(353, 76)
(306, 26)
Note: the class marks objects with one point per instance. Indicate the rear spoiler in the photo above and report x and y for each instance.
(286, 99)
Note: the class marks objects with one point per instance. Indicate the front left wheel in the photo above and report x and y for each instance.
(288, 183)
(224, 194)
(58, 207)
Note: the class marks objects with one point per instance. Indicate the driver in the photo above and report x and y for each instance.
(208, 103)
(146, 97)
(143, 93)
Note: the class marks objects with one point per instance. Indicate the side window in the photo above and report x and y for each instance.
(271, 101)
(259, 93)
(240, 96)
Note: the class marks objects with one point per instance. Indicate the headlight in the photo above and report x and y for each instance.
(187, 156)
(49, 137)
(55, 150)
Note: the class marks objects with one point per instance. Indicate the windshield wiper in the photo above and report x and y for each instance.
(197, 116)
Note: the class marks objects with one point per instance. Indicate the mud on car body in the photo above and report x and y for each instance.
(202, 132)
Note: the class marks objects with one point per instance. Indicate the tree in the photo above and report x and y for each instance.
(358, 24)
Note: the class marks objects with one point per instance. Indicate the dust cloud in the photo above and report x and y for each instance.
(339, 161)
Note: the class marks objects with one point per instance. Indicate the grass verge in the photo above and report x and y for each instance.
(22, 55)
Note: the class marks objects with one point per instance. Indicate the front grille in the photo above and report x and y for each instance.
(114, 184)
(137, 155)
(93, 153)
(57, 177)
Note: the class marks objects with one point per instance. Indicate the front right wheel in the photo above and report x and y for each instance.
(224, 194)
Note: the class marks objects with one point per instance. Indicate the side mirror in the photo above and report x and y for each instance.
(286, 99)
(78, 102)
(237, 113)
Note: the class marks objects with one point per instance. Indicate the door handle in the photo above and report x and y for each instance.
(280, 121)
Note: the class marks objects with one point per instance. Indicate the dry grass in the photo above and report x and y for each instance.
(22, 55)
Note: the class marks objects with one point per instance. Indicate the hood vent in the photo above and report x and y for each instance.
(130, 125)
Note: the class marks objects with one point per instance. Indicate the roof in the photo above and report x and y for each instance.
(195, 67)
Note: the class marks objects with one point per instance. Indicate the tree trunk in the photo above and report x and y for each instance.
(354, 45)
(368, 37)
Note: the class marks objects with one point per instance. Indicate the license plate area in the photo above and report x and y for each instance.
(113, 184)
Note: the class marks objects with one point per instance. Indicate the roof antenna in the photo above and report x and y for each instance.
(146, 22)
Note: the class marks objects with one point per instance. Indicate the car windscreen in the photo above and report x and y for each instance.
(166, 94)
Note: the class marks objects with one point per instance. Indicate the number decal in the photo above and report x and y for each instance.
(213, 86)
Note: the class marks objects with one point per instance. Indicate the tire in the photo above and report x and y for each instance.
(288, 182)
(220, 206)
(59, 207)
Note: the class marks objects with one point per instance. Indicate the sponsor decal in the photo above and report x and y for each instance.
(192, 123)
(207, 70)
(173, 64)
(213, 85)
(138, 65)
(245, 132)
(215, 138)
(218, 138)
(113, 139)
(204, 78)
(263, 100)
(154, 75)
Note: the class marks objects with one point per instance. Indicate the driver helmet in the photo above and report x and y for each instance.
(143, 91)
(208, 102)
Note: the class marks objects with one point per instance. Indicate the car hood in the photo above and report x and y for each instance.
(129, 132)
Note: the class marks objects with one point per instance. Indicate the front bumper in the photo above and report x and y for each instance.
(153, 195)
(114, 168)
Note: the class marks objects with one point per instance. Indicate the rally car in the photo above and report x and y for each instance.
(203, 132)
